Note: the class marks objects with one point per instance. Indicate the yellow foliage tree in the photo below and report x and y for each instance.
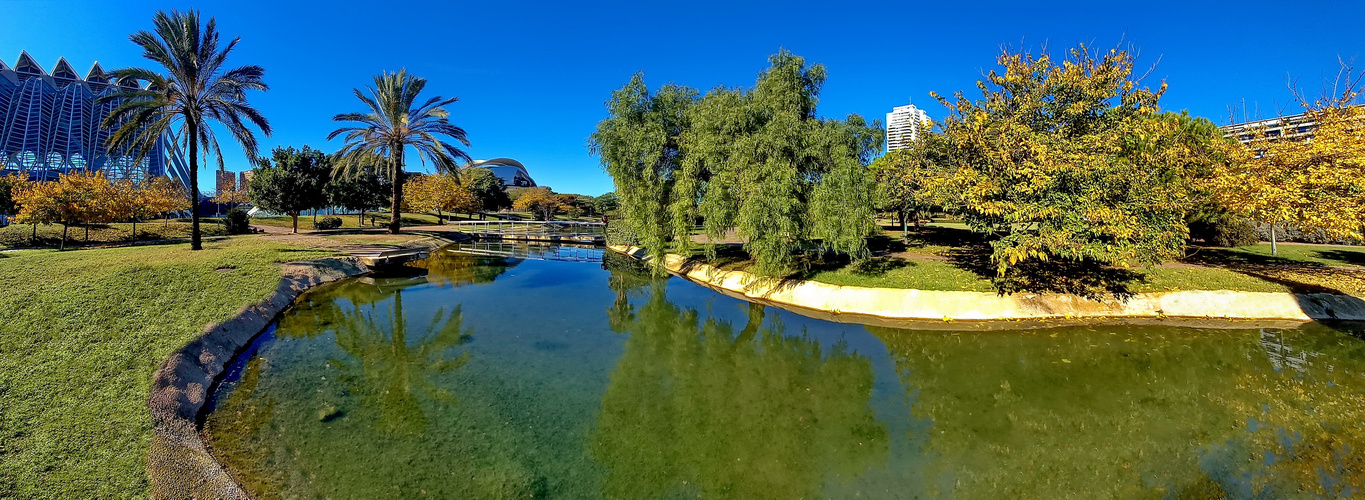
(1316, 182)
(441, 192)
(76, 198)
(541, 201)
(164, 194)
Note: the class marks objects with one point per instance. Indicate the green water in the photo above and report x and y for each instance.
(483, 377)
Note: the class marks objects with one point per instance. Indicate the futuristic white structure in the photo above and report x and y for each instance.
(902, 126)
(50, 123)
(512, 172)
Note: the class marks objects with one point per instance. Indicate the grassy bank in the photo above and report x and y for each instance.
(50, 235)
(81, 333)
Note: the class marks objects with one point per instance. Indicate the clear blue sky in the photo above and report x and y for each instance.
(532, 77)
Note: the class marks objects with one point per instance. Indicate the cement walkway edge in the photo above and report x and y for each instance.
(179, 463)
(905, 304)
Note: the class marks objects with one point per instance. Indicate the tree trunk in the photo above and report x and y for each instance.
(35, 232)
(295, 216)
(440, 219)
(134, 229)
(87, 232)
(1274, 248)
(360, 222)
(395, 214)
(63, 245)
(905, 229)
(191, 134)
(315, 220)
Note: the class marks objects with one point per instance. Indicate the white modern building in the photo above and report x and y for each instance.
(902, 126)
(512, 172)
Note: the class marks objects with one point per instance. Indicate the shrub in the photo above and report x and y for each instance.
(328, 223)
(1226, 231)
(237, 222)
(1285, 232)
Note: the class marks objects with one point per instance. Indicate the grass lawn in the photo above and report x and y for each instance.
(81, 333)
(50, 235)
(347, 221)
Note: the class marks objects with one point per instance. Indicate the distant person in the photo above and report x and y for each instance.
(604, 219)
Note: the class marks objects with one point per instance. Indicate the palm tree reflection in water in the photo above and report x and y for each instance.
(388, 373)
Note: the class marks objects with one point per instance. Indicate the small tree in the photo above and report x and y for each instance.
(442, 193)
(291, 181)
(164, 195)
(76, 198)
(9, 187)
(540, 201)
(361, 192)
(1311, 183)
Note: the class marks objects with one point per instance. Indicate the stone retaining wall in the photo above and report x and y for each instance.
(920, 305)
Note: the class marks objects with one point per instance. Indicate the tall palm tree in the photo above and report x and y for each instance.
(393, 124)
(196, 91)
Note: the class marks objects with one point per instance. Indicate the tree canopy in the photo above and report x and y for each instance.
(488, 189)
(757, 161)
(364, 190)
(291, 181)
(1072, 159)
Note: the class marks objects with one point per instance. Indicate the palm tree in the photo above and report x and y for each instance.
(393, 124)
(198, 90)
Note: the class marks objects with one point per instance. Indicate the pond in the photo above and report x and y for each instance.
(569, 373)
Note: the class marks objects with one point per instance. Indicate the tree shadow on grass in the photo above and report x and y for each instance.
(1088, 279)
(1352, 257)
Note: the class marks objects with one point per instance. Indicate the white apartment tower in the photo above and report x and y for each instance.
(902, 126)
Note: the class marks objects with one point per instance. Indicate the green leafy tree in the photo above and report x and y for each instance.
(1071, 160)
(9, 187)
(907, 179)
(197, 91)
(291, 181)
(487, 188)
(607, 202)
(394, 122)
(364, 190)
(756, 161)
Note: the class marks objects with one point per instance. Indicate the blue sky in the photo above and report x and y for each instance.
(532, 76)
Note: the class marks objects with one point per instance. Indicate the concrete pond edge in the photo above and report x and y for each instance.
(899, 307)
(179, 462)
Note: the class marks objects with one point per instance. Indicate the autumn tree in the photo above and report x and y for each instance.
(1289, 178)
(163, 195)
(1072, 160)
(291, 181)
(75, 198)
(540, 201)
(9, 187)
(757, 161)
(441, 193)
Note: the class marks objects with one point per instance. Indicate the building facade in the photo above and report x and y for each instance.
(50, 123)
(902, 126)
(225, 181)
(512, 172)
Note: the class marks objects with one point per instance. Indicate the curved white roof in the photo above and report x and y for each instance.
(512, 172)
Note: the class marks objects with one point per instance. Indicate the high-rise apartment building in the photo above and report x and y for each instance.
(243, 178)
(902, 126)
(226, 181)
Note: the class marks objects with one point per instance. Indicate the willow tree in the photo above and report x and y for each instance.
(757, 161)
(1072, 160)
(394, 123)
(197, 90)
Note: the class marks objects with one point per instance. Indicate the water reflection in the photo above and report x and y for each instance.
(387, 372)
(1132, 412)
(461, 379)
(695, 408)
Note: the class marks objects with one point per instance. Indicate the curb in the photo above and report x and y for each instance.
(899, 305)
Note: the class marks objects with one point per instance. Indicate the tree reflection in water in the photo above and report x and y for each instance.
(450, 269)
(695, 409)
(388, 373)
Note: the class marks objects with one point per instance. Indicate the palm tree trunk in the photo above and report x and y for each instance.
(394, 212)
(191, 134)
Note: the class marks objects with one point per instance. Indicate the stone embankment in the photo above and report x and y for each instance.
(890, 304)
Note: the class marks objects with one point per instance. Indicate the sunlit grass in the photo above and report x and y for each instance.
(81, 333)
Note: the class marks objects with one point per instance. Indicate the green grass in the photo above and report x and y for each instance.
(1328, 255)
(81, 333)
(49, 235)
(910, 274)
(347, 221)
